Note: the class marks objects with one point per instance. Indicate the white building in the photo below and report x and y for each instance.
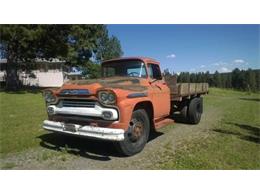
(47, 73)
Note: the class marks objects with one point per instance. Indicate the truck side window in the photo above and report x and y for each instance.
(155, 72)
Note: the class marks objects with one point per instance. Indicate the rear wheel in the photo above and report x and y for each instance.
(195, 110)
(184, 111)
(137, 134)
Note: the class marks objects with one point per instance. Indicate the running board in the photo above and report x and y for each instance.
(163, 122)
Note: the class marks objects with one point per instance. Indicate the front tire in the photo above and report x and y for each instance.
(137, 134)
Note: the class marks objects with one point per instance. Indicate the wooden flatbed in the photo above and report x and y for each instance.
(180, 91)
(187, 90)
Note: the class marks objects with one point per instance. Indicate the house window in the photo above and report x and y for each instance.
(43, 67)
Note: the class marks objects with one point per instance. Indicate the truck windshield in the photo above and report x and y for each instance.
(129, 68)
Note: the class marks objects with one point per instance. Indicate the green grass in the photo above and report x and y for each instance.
(233, 144)
(21, 118)
(9, 165)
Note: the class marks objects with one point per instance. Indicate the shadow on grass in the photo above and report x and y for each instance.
(250, 133)
(24, 90)
(87, 148)
(84, 147)
(154, 134)
(251, 129)
(251, 99)
(179, 119)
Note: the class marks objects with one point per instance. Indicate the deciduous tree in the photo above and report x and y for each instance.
(76, 44)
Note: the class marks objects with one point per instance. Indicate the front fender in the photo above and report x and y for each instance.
(127, 106)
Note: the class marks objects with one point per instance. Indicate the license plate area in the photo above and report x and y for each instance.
(69, 127)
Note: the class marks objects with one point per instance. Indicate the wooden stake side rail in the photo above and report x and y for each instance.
(187, 90)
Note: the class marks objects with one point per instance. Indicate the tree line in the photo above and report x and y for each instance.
(77, 45)
(246, 80)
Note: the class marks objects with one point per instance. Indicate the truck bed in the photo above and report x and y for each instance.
(186, 90)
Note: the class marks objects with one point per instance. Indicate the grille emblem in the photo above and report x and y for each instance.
(75, 92)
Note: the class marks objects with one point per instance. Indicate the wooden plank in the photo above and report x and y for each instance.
(188, 89)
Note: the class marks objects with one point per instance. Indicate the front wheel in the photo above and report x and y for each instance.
(137, 134)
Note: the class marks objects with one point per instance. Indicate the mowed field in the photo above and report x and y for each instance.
(228, 137)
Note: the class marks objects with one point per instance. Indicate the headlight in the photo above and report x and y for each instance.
(49, 96)
(107, 97)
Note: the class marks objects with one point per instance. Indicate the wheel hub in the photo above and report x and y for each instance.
(136, 130)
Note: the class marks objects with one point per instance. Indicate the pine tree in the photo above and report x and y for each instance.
(217, 79)
(251, 80)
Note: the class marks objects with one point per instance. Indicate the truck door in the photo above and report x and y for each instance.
(159, 91)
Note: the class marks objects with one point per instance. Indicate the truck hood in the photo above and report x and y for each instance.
(122, 83)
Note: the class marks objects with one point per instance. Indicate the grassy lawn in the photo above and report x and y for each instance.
(20, 122)
(233, 144)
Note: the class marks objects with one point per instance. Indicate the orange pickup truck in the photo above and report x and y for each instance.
(131, 99)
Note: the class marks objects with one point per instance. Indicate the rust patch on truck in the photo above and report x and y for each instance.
(126, 87)
(131, 84)
(118, 80)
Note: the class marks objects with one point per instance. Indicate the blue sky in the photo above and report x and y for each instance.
(193, 48)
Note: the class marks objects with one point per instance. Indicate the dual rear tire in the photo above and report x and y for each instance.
(192, 110)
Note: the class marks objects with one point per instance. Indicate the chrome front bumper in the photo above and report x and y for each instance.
(87, 131)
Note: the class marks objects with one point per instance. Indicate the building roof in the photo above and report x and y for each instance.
(73, 73)
(51, 60)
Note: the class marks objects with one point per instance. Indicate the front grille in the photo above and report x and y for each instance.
(81, 120)
(78, 103)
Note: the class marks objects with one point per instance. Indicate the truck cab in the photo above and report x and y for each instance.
(122, 106)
